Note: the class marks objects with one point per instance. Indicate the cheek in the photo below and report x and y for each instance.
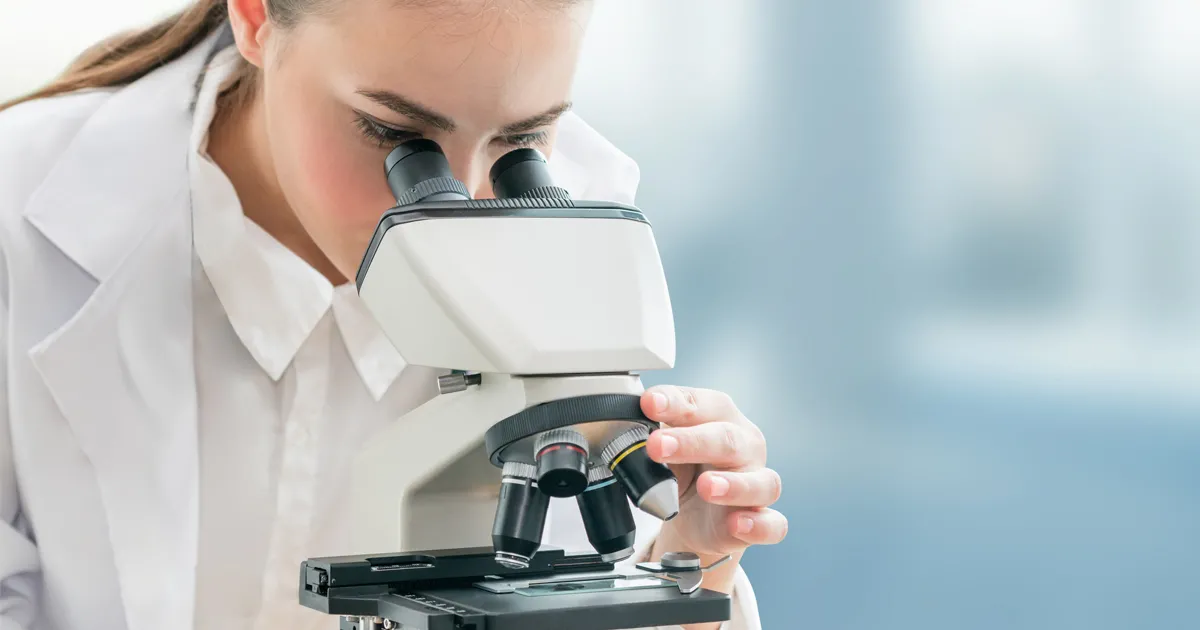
(344, 175)
(333, 179)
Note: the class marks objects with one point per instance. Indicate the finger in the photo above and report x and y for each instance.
(719, 444)
(687, 406)
(761, 527)
(758, 488)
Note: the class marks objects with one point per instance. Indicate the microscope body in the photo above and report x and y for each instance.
(540, 311)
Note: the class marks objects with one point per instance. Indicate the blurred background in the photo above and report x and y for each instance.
(946, 253)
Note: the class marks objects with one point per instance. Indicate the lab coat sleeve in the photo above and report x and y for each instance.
(18, 554)
(564, 529)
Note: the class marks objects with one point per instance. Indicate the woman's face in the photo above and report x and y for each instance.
(479, 77)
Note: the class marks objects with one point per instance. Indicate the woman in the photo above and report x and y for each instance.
(187, 370)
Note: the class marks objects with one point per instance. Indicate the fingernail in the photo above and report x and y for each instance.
(660, 402)
(669, 445)
(745, 524)
(720, 486)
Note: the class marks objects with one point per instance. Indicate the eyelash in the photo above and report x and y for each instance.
(385, 136)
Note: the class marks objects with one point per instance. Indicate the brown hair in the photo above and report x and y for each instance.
(127, 57)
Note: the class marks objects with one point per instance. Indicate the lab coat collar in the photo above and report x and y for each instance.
(272, 297)
(121, 370)
(101, 161)
(376, 360)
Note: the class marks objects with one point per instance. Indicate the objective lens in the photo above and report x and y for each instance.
(561, 457)
(606, 516)
(520, 516)
(417, 170)
(651, 485)
(523, 173)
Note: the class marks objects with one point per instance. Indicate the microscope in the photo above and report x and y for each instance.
(538, 311)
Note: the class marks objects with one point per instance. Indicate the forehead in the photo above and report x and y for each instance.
(485, 62)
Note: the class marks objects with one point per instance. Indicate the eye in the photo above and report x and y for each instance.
(381, 134)
(525, 139)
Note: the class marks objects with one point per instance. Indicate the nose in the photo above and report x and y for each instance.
(471, 168)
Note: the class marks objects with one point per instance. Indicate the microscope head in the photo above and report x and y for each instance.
(569, 297)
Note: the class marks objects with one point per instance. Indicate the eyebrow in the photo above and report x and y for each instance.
(411, 109)
(539, 120)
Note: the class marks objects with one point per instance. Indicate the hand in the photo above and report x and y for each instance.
(725, 488)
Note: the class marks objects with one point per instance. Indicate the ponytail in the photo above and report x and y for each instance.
(125, 58)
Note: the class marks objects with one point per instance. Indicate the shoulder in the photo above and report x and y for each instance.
(35, 135)
(594, 167)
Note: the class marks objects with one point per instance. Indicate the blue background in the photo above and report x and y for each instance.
(903, 237)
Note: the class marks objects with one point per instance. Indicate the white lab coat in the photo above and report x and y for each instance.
(98, 436)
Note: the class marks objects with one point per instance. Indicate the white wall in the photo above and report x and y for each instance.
(40, 37)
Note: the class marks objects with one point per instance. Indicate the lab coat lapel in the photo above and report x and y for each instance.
(121, 370)
(589, 166)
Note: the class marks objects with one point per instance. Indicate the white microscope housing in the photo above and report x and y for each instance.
(539, 311)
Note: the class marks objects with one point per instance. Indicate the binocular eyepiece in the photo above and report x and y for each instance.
(418, 170)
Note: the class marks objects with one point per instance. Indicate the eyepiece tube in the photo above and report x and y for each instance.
(606, 516)
(651, 485)
(520, 516)
(523, 173)
(417, 170)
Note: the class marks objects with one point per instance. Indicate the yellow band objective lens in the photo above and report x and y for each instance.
(617, 460)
